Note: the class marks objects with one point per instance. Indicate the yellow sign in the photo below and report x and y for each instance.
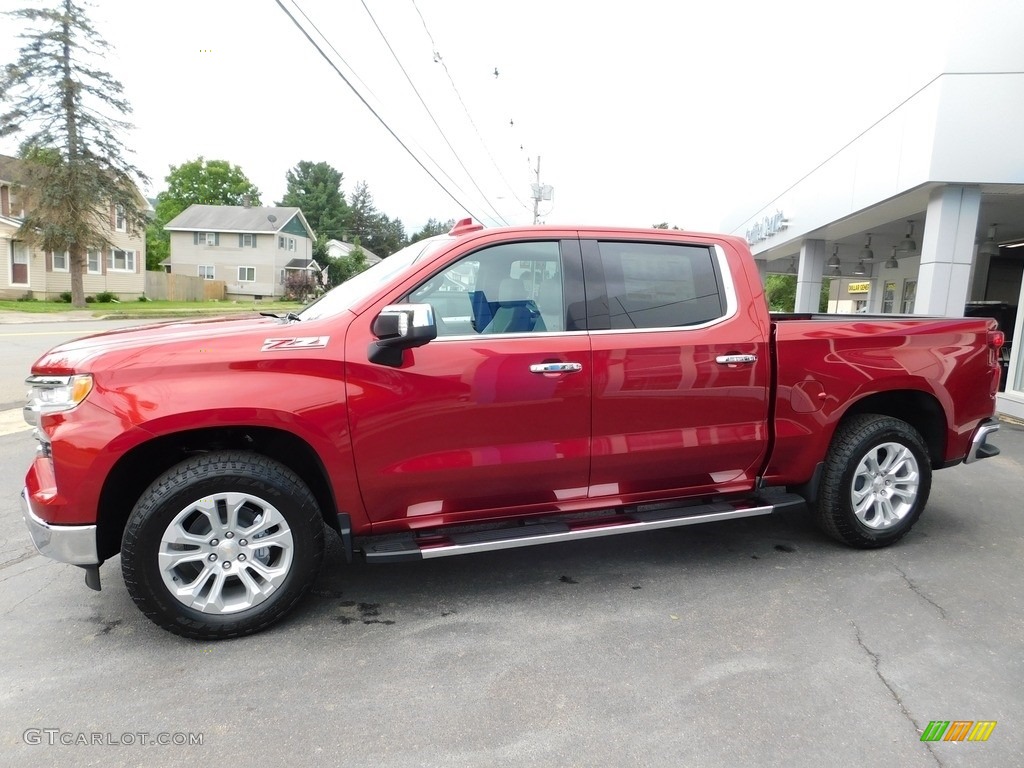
(859, 288)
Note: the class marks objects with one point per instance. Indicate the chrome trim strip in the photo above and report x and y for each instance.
(75, 544)
(591, 533)
(500, 336)
(981, 436)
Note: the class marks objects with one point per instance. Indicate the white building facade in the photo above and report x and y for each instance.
(923, 212)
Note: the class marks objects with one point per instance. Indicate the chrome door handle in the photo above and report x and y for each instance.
(556, 368)
(735, 359)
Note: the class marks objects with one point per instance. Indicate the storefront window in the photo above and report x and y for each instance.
(909, 294)
(889, 297)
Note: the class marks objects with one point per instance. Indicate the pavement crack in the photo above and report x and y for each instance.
(876, 664)
(19, 559)
(53, 578)
(917, 591)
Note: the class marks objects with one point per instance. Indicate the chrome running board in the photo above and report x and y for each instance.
(440, 544)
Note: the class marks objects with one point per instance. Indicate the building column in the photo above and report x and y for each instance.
(808, 278)
(947, 251)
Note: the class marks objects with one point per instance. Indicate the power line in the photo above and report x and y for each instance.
(431, 114)
(438, 58)
(360, 96)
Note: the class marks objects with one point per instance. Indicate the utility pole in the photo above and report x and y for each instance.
(540, 191)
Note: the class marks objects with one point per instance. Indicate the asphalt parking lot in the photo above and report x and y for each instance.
(753, 642)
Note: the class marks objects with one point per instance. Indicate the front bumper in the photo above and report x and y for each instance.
(980, 448)
(75, 544)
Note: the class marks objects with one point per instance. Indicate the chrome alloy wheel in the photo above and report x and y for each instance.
(225, 553)
(885, 486)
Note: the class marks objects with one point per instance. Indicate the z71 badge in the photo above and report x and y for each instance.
(298, 342)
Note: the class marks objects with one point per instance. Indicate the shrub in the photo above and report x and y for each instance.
(106, 297)
(65, 297)
(143, 298)
(27, 297)
(90, 299)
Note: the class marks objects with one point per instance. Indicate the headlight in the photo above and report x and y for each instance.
(50, 394)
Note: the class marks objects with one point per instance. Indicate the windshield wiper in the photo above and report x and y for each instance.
(289, 316)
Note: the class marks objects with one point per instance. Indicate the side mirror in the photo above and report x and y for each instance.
(399, 327)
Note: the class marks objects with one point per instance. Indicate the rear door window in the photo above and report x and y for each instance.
(660, 285)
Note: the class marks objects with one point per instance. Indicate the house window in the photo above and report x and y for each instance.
(60, 262)
(207, 238)
(206, 271)
(247, 274)
(92, 263)
(121, 261)
(248, 241)
(120, 223)
(286, 243)
(19, 263)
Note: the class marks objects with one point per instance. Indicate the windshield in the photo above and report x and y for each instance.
(342, 297)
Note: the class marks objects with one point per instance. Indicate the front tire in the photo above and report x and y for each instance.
(222, 545)
(876, 482)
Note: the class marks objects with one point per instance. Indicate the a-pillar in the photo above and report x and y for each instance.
(947, 250)
(808, 279)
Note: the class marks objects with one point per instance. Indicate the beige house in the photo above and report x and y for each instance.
(258, 252)
(119, 268)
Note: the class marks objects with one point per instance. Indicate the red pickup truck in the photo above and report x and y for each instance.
(482, 390)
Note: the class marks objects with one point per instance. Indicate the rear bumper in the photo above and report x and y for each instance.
(980, 447)
(75, 544)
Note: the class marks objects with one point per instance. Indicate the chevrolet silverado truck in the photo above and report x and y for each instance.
(482, 390)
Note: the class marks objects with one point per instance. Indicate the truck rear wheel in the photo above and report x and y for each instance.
(222, 545)
(876, 481)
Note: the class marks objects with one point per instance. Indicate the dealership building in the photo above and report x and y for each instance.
(923, 212)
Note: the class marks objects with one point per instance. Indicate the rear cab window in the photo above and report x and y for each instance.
(647, 285)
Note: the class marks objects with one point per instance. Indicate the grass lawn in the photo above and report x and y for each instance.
(156, 307)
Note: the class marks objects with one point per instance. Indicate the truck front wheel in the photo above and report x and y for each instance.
(222, 545)
(876, 481)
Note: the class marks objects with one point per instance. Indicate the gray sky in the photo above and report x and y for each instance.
(643, 111)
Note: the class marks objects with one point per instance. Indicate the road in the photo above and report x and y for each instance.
(755, 642)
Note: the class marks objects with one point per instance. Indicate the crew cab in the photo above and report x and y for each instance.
(481, 390)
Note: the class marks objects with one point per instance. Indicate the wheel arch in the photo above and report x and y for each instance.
(139, 467)
(920, 410)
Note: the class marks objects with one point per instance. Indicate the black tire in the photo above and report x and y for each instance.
(183, 536)
(876, 482)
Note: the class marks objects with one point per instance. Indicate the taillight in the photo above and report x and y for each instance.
(996, 339)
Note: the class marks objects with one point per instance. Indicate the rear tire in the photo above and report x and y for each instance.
(876, 482)
(222, 545)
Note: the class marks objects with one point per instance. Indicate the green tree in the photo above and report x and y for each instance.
(431, 228)
(315, 188)
(380, 234)
(74, 174)
(781, 293)
(196, 182)
(664, 225)
(388, 237)
(341, 269)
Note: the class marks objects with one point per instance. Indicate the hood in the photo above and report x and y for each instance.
(171, 343)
